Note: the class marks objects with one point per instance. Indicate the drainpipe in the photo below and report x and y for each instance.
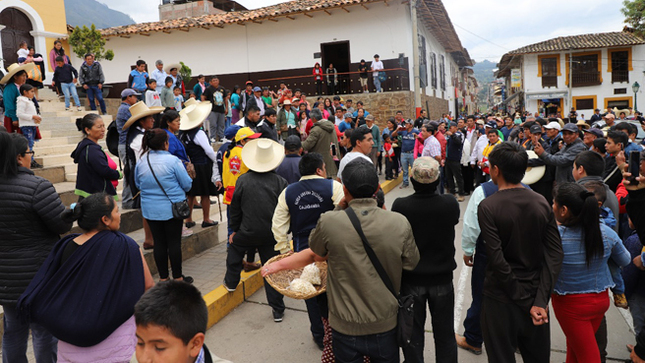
(570, 81)
(415, 57)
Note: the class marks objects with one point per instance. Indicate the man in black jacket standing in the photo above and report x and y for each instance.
(433, 218)
(254, 201)
(454, 148)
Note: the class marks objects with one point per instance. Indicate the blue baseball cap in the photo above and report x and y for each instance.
(129, 92)
(230, 132)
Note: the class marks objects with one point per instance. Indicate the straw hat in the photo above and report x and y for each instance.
(171, 66)
(262, 155)
(140, 110)
(192, 101)
(533, 174)
(583, 124)
(193, 115)
(15, 68)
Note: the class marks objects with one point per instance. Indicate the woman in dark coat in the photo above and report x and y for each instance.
(31, 226)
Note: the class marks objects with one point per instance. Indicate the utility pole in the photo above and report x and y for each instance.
(570, 100)
(415, 57)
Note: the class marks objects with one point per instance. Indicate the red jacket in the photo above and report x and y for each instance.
(318, 73)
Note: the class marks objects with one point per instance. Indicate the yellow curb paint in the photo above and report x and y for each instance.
(388, 185)
(252, 283)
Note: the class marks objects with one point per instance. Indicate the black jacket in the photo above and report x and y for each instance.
(94, 173)
(636, 211)
(30, 225)
(267, 130)
(252, 207)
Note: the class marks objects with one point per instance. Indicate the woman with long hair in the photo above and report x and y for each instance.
(86, 289)
(580, 298)
(318, 78)
(162, 180)
(305, 124)
(391, 129)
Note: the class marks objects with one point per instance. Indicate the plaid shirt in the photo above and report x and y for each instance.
(431, 147)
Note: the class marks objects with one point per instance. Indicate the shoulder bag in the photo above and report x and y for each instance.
(180, 210)
(405, 318)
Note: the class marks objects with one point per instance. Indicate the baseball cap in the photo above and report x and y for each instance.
(369, 118)
(246, 133)
(595, 131)
(480, 122)
(347, 115)
(230, 131)
(129, 92)
(249, 83)
(491, 124)
(257, 89)
(452, 123)
(434, 124)
(610, 115)
(408, 121)
(425, 170)
(536, 129)
(553, 125)
(292, 143)
(570, 127)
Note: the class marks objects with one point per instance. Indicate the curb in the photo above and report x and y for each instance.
(220, 302)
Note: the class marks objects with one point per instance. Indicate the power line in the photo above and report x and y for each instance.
(484, 39)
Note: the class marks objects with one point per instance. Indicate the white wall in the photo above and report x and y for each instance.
(533, 83)
(433, 46)
(269, 46)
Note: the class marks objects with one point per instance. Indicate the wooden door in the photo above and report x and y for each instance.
(17, 28)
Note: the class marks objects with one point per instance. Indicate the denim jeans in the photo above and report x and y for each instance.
(92, 93)
(70, 88)
(472, 324)
(377, 83)
(441, 302)
(617, 277)
(16, 335)
(407, 159)
(381, 348)
(29, 132)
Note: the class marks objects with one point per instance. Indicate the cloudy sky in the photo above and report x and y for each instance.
(488, 29)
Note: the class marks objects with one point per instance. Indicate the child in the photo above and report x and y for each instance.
(23, 52)
(28, 118)
(65, 75)
(167, 98)
(138, 77)
(179, 99)
(389, 154)
(171, 320)
(607, 217)
(152, 97)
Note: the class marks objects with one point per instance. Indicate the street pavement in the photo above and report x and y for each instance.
(248, 334)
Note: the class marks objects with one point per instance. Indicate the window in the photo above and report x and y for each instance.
(619, 66)
(433, 70)
(618, 102)
(442, 72)
(584, 103)
(423, 62)
(620, 91)
(549, 72)
(585, 69)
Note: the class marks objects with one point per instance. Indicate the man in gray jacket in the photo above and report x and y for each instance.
(92, 78)
(563, 159)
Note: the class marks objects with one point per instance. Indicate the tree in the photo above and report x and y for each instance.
(185, 72)
(89, 40)
(634, 12)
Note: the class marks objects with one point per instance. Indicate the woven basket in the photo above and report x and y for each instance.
(281, 280)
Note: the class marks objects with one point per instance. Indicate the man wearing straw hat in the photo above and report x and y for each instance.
(251, 211)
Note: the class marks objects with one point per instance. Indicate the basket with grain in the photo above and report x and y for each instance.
(282, 279)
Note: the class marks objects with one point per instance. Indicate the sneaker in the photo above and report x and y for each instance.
(463, 344)
(226, 287)
(67, 109)
(187, 279)
(277, 316)
(367, 91)
(620, 301)
(403, 186)
(79, 108)
(35, 165)
(185, 232)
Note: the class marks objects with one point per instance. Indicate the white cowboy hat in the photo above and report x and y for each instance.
(190, 101)
(533, 174)
(15, 68)
(171, 66)
(262, 155)
(140, 110)
(193, 115)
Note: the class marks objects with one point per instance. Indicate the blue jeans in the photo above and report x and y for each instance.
(441, 302)
(30, 133)
(16, 335)
(227, 123)
(407, 159)
(617, 277)
(381, 348)
(95, 92)
(377, 83)
(70, 88)
(472, 324)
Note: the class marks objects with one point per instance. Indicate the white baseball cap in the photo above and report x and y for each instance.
(553, 125)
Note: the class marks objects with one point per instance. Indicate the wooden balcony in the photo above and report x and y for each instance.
(585, 79)
(618, 76)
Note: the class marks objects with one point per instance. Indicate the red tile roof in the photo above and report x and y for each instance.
(584, 41)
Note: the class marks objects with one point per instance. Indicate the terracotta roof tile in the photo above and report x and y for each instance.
(584, 41)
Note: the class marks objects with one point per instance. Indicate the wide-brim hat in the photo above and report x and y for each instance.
(583, 124)
(262, 155)
(535, 173)
(192, 101)
(140, 110)
(193, 115)
(15, 68)
(171, 66)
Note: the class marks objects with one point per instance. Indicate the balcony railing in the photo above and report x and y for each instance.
(549, 81)
(618, 76)
(583, 79)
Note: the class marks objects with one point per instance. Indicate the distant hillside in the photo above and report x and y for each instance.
(484, 75)
(88, 12)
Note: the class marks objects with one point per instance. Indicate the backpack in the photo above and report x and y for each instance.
(112, 139)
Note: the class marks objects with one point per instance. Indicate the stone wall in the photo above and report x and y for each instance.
(384, 105)
(435, 106)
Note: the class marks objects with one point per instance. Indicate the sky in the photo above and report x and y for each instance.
(488, 29)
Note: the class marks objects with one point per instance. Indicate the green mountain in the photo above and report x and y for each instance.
(88, 12)
(484, 75)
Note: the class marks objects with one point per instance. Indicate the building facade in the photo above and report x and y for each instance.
(584, 72)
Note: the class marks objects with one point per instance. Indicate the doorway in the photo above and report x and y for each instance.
(17, 28)
(337, 53)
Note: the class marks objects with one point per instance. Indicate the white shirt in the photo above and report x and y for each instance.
(159, 76)
(135, 145)
(431, 147)
(260, 103)
(478, 150)
(338, 121)
(202, 140)
(23, 53)
(347, 159)
(25, 110)
(376, 66)
(152, 98)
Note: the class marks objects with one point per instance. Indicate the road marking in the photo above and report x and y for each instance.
(459, 298)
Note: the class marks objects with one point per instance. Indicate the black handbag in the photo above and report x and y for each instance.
(405, 318)
(180, 210)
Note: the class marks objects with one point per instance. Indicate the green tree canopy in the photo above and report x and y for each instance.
(88, 40)
(634, 11)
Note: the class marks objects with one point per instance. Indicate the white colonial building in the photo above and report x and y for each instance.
(586, 72)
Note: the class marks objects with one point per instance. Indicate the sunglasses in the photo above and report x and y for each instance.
(30, 152)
